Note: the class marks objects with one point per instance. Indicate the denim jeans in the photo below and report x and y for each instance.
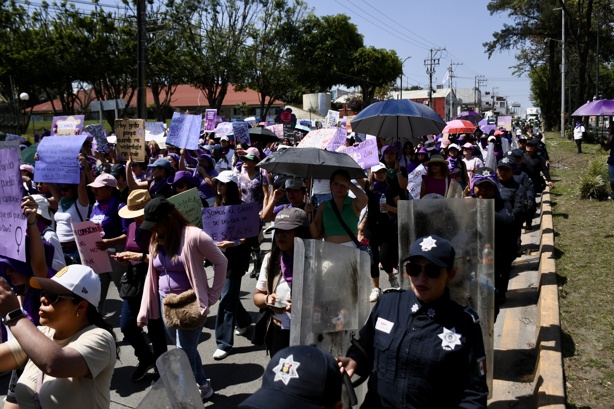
(230, 313)
(188, 341)
(135, 335)
(611, 171)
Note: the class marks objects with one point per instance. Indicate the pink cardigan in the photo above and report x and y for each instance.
(195, 246)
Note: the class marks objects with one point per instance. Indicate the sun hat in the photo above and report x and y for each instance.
(385, 149)
(378, 167)
(104, 180)
(162, 163)
(226, 176)
(436, 158)
(75, 279)
(43, 207)
(294, 183)
(301, 376)
(135, 206)
(435, 249)
(289, 219)
(156, 210)
(183, 176)
(423, 150)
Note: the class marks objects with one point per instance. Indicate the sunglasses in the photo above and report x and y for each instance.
(430, 270)
(53, 298)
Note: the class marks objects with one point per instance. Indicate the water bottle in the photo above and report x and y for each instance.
(382, 203)
(487, 255)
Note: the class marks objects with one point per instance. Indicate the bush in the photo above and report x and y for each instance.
(594, 184)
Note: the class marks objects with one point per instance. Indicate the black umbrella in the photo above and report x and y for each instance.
(262, 135)
(310, 163)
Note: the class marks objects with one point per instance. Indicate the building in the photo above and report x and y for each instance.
(445, 101)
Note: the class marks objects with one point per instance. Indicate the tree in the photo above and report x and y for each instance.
(375, 68)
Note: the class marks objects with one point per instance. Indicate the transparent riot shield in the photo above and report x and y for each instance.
(469, 224)
(176, 387)
(330, 296)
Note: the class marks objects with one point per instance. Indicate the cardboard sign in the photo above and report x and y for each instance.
(131, 139)
(154, 130)
(184, 130)
(231, 222)
(58, 159)
(365, 154)
(332, 119)
(329, 139)
(87, 234)
(414, 181)
(189, 204)
(241, 132)
(12, 221)
(67, 125)
(100, 137)
(210, 115)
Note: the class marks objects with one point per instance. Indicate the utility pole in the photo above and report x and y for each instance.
(430, 63)
(480, 81)
(452, 64)
(401, 90)
(563, 70)
(141, 87)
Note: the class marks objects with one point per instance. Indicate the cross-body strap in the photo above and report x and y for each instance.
(345, 226)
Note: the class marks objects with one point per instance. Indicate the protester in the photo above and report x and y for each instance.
(176, 263)
(396, 173)
(578, 133)
(471, 163)
(43, 224)
(71, 357)
(294, 190)
(457, 167)
(161, 171)
(534, 165)
(206, 172)
(419, 348)
(437, 179)
(608, 145)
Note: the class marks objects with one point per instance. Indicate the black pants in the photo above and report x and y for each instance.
(579, 144)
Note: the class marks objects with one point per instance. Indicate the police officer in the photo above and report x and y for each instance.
(419, 348)
(534, 165)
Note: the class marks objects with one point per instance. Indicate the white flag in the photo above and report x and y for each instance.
(446, 77)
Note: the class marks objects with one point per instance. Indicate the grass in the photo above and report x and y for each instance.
(584, 240)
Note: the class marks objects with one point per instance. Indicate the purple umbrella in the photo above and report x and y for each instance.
(487, 128)
(470, 116)
(600, 107)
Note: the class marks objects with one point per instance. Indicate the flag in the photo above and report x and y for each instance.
(446, 77)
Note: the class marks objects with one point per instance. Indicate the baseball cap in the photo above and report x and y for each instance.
(43, 206)
(435, 249)
(184, 176)
(75, 279)
(27, 167)
(227, 176)
(161, 162)
(522, 138)
(137, 199)
(492, 138)
(104, 180)
(378, 167)
(518, 132)
(289, 219)
(117, 169)
(224, 138)
(482, 175)
(155, 210)
(533, 142)
(468, 145)
(507, 162)
(300, 376)
(454, 146)
(294, 183)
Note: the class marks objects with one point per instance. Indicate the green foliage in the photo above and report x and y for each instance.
(593, 185)
(375, 68)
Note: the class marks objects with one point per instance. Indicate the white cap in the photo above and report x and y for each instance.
(455, 146)
(224, 138)
(378, 167)
(518, 132)
(75, 279)
(43, 206)
(226, 176)
(494, 138)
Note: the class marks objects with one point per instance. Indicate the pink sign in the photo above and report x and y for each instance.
(365, 154)
(329, 139)
(12, 220)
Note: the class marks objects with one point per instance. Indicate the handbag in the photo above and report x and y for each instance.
(132, 282)
(362, 245)
(182, 311)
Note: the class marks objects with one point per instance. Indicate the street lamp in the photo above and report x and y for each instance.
(562, 68)
(22, 97)
(401, 90)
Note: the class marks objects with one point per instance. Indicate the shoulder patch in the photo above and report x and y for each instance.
(393, 289)
(474, 315)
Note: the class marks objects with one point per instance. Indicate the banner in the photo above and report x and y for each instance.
(365, 154)
(130, 139)
(87, 235)
(189, 204)
(330, 139)
(210, 115)
(241, 132)
(154, 130)
(184, 130)
(100, 137)
(231, 222)
(58, 159)
(67, 125)
(12, 221)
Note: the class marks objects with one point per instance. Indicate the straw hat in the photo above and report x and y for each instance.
(436, 158)
(136, 204)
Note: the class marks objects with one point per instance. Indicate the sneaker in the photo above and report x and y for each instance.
(375, 294)
(394, 281)
(206, 391)
(141, 371)
(220, 354)
(241, 331)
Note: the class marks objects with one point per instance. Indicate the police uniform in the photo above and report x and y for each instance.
(422, 355)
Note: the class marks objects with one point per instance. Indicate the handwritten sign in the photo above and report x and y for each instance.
(189, 204)
(100, 136)
(329, 139)
(184, 131)
(231, 222)
(289, 131)
(223, 129)
(241, 132)
(11, 137)
(12, 221)
(154, 130)
(505, 121)
(58, 159)
(67, 125)
(414, 181)
(210, 115)
(87, 234)
(277, 129)
(332, 119)
(365, 154)
(130, 138)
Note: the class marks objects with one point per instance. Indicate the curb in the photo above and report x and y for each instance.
(549, 389)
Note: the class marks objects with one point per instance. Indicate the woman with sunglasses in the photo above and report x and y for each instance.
(437, 178)
(69, 359)
(419, 348)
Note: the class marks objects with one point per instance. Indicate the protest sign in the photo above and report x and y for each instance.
(289, 131)
(100, 136)
(414, 181)
(505, 121)
(87, 234)
(11, 138)
(154, 130)
(189, 204)
(130, 139)
(210, 115)
(241, 132)
(332, 119)
(67, 125)
(365, 154)
(12, 221)
(231, 222)
(329, 139)
(184, 130)
(277, 129)
(223, 129)
(58, 159)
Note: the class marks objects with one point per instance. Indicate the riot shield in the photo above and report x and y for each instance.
(176, 387)
(330, 296)
(469, 224)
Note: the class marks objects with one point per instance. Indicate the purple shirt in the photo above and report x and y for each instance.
(105, 216)
(172, 276)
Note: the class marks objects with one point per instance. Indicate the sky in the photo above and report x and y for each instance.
(412, 28)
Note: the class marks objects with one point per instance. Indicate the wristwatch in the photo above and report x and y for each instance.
(13, 316)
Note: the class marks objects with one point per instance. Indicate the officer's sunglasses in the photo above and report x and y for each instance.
(430, 270)
(53, 298)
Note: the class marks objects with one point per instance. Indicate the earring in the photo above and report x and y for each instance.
(77, 315)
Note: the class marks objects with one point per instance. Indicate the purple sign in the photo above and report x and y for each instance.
(12, 220)
(210, 115)
(231, 222)
(67, 125)
(58, 159)
(184, 130)
(241, 132)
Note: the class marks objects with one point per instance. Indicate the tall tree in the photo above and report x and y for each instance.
(375, 68)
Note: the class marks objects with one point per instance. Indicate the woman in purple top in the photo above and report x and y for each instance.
(437, 178)
(206, 172)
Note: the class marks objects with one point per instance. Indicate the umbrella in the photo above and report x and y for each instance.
(262, 135)
(487, 128)
(459, 126)
(310, 163)
(302, 128)
(398, 119)
(27, 155)
(470, 116)
(599, 107)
